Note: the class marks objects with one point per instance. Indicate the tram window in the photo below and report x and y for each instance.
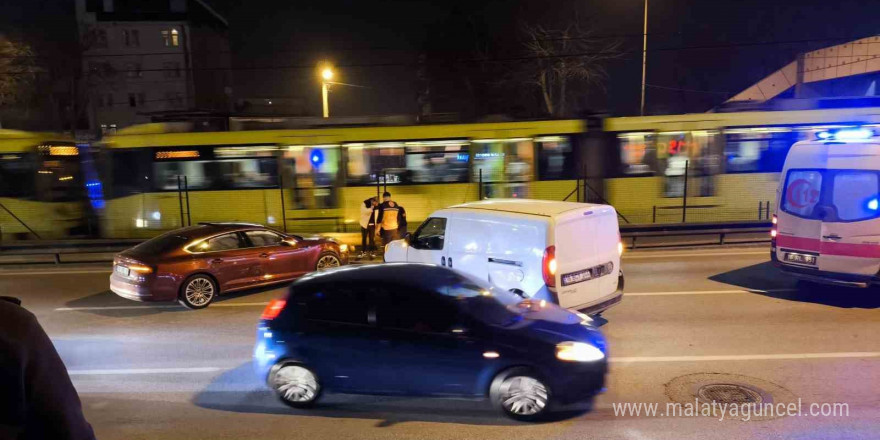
(556, 158)
(507, 160)
(130, 172)
(366, 161)
(311, 172)
(16, 175)
(696, 150)
(638, 153)
(217, 174)
(58, 179)
(761, 150)
(437, 161)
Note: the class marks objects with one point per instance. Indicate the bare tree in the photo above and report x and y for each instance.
(562, 59)
(18, 71)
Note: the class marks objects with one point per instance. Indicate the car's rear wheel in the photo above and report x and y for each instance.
(328, 260)
(520, 394)
(197, 292)
(296, 385)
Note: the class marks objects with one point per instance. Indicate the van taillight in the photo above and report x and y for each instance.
(273, 309)
(774, 231)
(548, 266)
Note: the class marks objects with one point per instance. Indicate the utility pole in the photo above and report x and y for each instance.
(644, 58)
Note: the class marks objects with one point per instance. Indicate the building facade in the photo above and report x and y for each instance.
(143, 59)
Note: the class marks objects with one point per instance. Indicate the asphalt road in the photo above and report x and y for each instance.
(689, 317)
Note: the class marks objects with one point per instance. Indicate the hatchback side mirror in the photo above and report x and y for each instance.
(408, 238)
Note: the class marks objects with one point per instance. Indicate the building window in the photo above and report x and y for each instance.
(172, 69)
(171, 38)
(131, 37)
(100, 39)
(132, 100)
(105, 100)
(142, 98)
(133, 70)
(174, 99)
(108, 129)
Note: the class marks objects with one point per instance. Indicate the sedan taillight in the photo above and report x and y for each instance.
(273, 309)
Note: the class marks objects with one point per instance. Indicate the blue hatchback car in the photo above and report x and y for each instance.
(423, 330)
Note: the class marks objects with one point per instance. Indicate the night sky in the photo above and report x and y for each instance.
(738, 34)
(704, 51)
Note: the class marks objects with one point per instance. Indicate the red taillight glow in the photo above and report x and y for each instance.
(548, 266)
(773, 231)
(273, 309)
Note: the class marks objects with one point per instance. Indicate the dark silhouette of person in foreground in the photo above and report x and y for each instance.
(37, 399)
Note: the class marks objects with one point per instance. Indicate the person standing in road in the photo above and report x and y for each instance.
(368, 227)
(388, 220)
(37, 400)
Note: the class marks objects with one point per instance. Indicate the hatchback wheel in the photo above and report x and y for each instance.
(520, 394)
(327, 260)
(296, 385)
(197, 292)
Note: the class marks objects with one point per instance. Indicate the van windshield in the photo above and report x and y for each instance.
(832, 195)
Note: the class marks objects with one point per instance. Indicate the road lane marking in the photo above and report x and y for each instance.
(53, 272)
(707, 292)
(265, 303)
(746, 357)
(222, 304)
(144, 371)
(616, 360)
(691, 254)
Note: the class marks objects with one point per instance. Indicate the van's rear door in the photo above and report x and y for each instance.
(829, 218)
(799, 219)
(587, 258)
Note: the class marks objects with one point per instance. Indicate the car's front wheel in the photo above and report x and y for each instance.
(327, 260)
(197, 292)
(296, 385)
(520, 394)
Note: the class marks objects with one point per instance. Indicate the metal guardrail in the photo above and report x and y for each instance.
(759, 230)
(635, 236)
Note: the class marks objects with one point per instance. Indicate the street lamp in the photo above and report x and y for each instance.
(326, 75)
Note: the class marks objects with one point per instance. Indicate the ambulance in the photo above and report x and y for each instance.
(827, 223)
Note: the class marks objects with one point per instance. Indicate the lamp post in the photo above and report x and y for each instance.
(644, 59)
(326, 76)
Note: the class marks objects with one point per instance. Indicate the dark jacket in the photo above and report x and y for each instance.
(37, 399)
(391, 216)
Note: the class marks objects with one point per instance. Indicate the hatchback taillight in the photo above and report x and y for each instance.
(273, 309)
(548, 266)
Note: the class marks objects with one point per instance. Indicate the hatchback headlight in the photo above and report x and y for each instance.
(578, 352)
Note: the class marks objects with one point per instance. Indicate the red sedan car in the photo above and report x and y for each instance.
(193, 265)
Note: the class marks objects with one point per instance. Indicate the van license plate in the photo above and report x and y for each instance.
(793, 257)
(576, 277)
(122, 270)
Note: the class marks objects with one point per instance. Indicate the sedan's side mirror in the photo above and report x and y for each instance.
(290, 242)
(408, 238)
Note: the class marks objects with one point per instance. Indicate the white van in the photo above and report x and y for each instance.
(827, 222)
(564, 252)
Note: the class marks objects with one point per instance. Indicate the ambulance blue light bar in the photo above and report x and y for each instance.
(845, 134)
